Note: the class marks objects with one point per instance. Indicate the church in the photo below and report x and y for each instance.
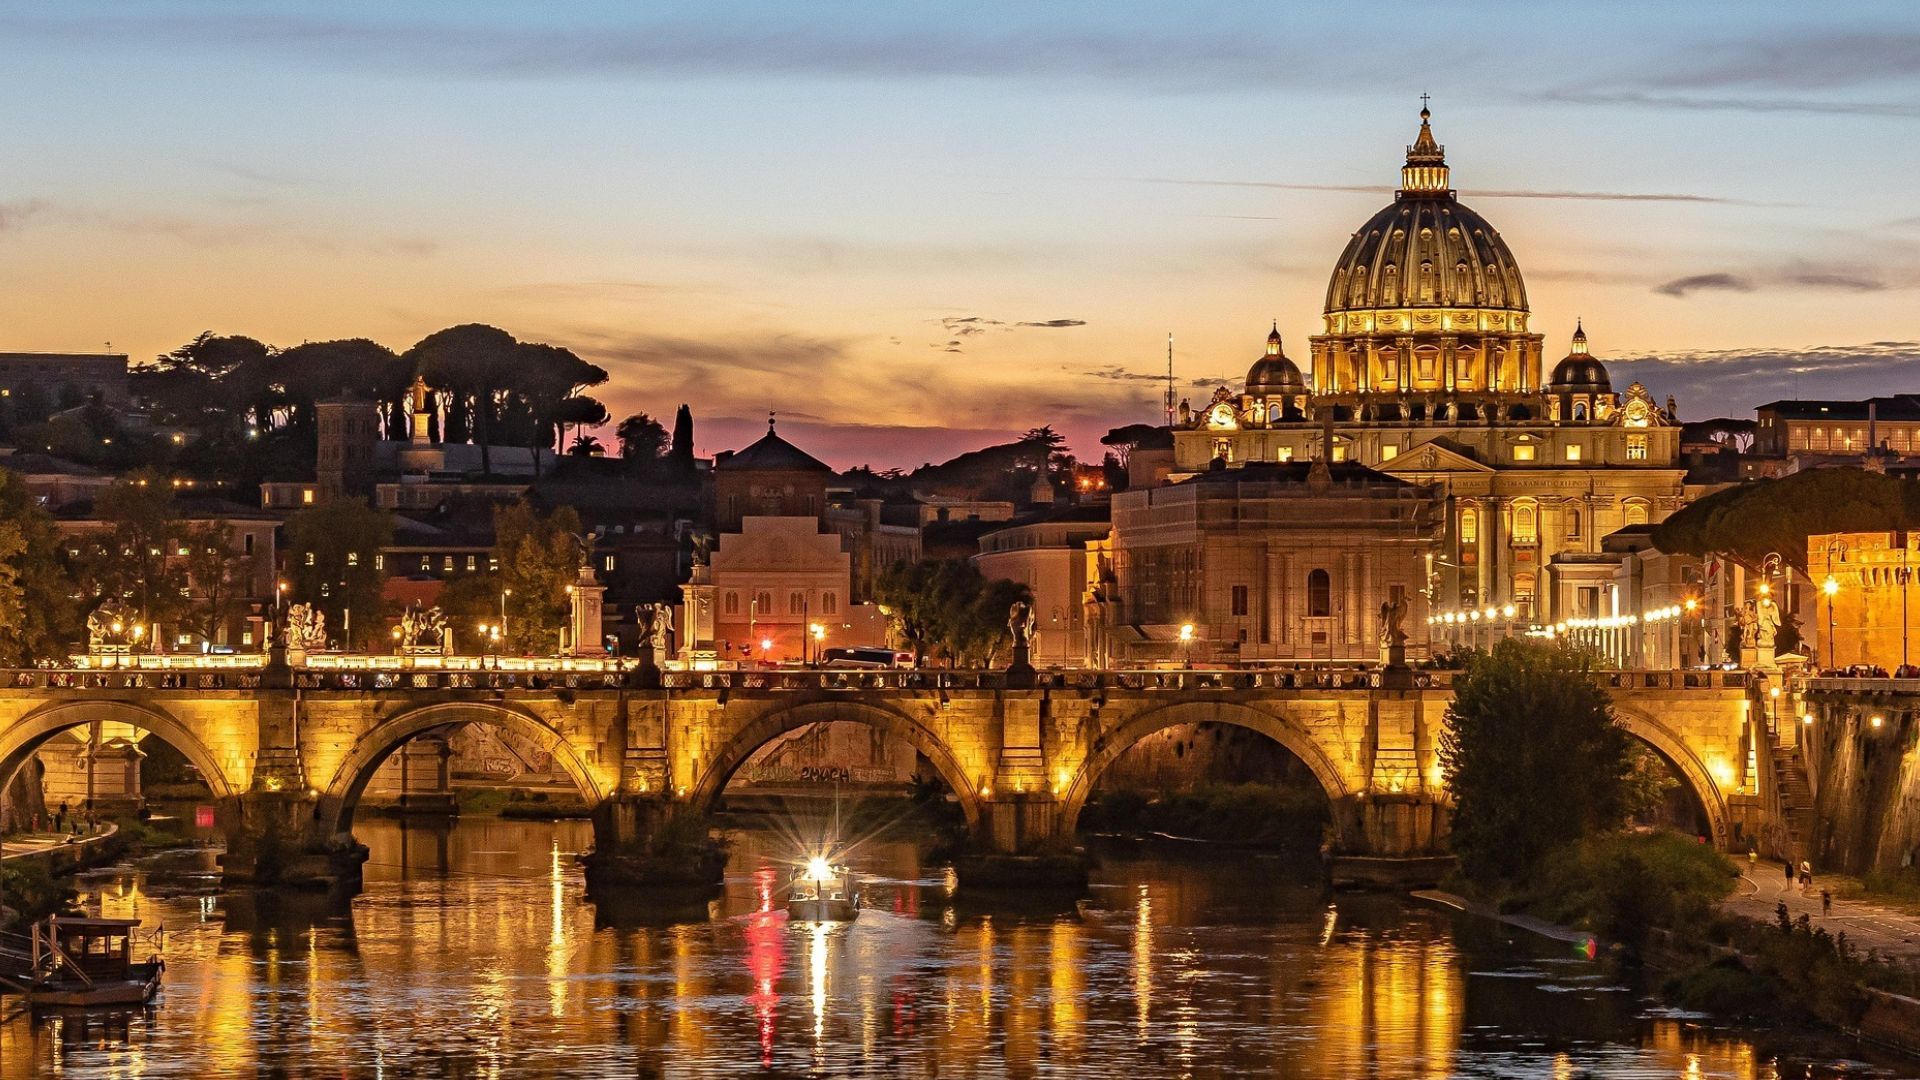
(1455, 470)
(1426, 370)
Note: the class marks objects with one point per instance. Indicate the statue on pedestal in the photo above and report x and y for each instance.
(306, 628)
(1020, 624)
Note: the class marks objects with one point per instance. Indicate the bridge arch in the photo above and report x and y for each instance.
(23, 737)
(1282, 729)
(769, 726)
(341, 795)
(1693, 772)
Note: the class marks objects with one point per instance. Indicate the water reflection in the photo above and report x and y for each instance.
(472, 951)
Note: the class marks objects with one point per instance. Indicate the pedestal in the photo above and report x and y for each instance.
(1020, 673)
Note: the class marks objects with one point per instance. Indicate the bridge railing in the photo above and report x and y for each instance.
(1840, 684)
(925, 679)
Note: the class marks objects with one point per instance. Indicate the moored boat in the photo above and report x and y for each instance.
(822, 892)
(73, 962)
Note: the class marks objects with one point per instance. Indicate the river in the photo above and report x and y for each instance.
(473, 952)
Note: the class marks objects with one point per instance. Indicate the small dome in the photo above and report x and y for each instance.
(1580, 372)
(1273, 374)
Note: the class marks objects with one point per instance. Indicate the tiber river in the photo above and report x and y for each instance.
(473, 952)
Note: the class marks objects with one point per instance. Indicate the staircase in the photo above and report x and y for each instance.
(1796, 799)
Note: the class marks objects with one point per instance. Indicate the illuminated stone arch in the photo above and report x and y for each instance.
(760, 731)
(341, 795)
(1693, 772)
(29, 733)
(1282, 729)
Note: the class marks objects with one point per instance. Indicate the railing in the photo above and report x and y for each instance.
(373, 680)
(1847, 684)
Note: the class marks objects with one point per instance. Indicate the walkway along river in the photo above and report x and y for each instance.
(473, 951)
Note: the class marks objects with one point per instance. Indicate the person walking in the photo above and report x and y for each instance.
(1806, 874)
(1789, 870)
(1826, 902)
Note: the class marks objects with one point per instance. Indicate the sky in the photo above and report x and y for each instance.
(912, 229)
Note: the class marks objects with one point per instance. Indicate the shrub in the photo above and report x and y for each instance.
(1623, 885)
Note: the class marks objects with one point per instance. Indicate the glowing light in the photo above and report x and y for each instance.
(1766, 589)
(1831, 585)
(1186, 632)
(818, 869)
(1509, 611)
(766, 644)
(1692, 603)
(1877, 720)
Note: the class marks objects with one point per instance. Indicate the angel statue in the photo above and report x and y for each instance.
(1393, 618)
(306, 628)
(653, 624)
(110, 624)
(1020, 622)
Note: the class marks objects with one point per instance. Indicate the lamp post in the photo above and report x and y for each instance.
(504, 593)
(1831, 586)
(818, 633)
(1186, 646)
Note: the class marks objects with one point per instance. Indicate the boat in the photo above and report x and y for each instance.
(821, 893)
(73, 962)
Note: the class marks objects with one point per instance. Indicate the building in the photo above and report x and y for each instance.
(1633, 604)
(1426, 369)
(1867, 612)
(1268, 561)
(1048, 554)
(1838, 428)
(67, 379)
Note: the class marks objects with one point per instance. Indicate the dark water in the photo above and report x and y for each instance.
(473, 952)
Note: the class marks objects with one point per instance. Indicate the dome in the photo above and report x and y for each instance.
(1273, 374)
(1580, 372)
(1426, 249)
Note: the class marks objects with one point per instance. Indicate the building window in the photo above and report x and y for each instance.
(1573, 451)
(1579, 412)
(246, 544)
(1469, 526)
(1286, 453)
(828, 605)
(1636, 448)
(379, 562)
(796, 603)
(732, 603)
(1239, 599)
(763, 602)
(426, 564)
(1319, 595)
(606, 564)
(1389, 451)
(1636, 513)
(1525, 523)
(493, 565)
(309, 558)
(1339, 452)
(1523, 452)
(306, 496)
(446, 564)
(353, 558)
(473, 562)
(1573, 523)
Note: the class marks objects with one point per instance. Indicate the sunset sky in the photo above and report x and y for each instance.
(911, 229)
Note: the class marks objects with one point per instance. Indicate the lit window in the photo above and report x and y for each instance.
(1636, 448)
(426, 563)
(180, 550)
(1286, 453)
(1339, 452)
(1469, 526)
(1636, 513)
(246, 637)
(446, 564)
(1523, 452)
(1573, 451)
(353, 558)
(473, 562)
(309, 558)
(1525, 524)
(606, 564)
(306, 496)
(379, 562)
(1389, 452)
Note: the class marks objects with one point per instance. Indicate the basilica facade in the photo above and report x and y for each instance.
(1426, 370)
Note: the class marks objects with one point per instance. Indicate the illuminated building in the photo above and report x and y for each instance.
(1428, 371)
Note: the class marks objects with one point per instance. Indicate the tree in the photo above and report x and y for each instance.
(946, 607)
(539, 557)
(473, 364)
(586, 446)
(1747, 522)
(135, 558)
(1125, 439)
(218, 572)
(1533, 758)
(333, 551)
(38, 615)
(642, 440)
(680, 454)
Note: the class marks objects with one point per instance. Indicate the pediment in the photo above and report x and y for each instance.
(1432, 457)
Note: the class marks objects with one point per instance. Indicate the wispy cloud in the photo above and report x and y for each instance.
(1694, 103)
(964, 326)
(1495, 193)
(1798, 276)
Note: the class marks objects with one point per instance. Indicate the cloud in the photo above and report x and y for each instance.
(1497, 193)
(1803, 58)
(1725, 382)
(963, 326)
(1690, 103)
(14, 215)
(1054, 324)
(1793, 276)
(1680, 287)
(777, 42)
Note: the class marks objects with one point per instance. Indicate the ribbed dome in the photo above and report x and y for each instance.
(1273, 374)
(1426, 249)
(1580, 372)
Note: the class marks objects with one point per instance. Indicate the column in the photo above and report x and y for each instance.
(1495, 535)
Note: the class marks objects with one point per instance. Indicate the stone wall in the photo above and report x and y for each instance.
(1866, 781)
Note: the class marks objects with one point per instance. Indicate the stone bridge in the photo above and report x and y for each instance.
(289, 753)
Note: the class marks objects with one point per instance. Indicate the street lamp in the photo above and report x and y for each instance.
(1831, 586)
(1186, 645)
(819, 634)
(504, 593)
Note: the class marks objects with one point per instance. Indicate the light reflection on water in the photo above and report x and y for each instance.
(472, 952)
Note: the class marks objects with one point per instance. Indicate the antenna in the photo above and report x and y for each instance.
(1169, 378)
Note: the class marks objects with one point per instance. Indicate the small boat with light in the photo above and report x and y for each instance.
(80, 963)
(822, 892)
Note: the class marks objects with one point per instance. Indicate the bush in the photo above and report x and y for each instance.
(32, 891)
(1623, 885)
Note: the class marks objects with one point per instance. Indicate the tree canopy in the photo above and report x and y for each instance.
(947, 608)
(1748, 521)
(331, 549)
(38, 616)
(1533, 758)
